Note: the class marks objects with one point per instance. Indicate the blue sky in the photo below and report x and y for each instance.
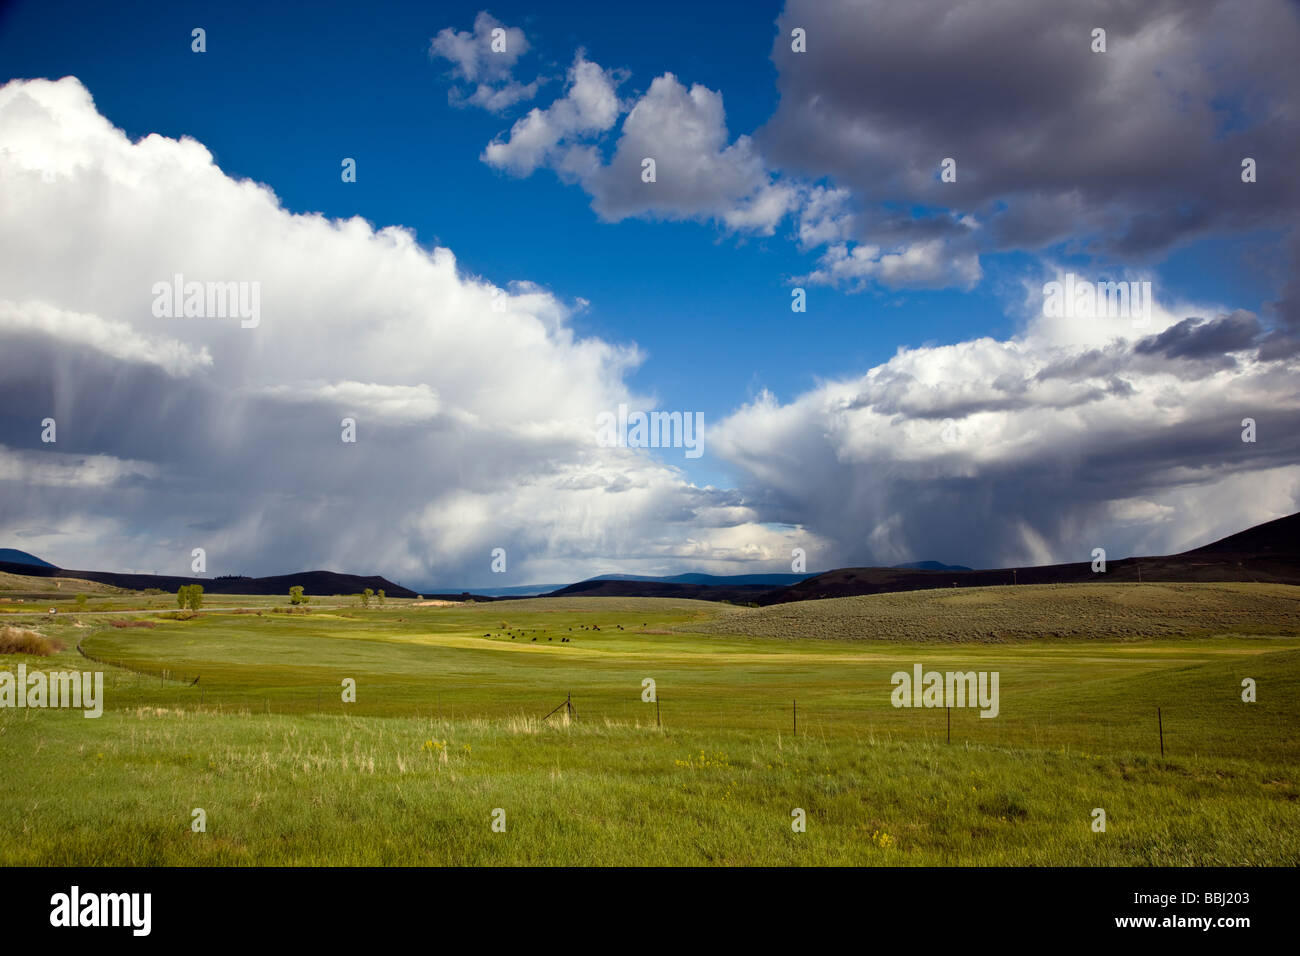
(280, 97)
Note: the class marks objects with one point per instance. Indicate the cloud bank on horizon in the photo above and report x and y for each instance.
(475, 406)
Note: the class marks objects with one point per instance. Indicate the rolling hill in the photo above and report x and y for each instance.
(14, 556)
(1001, 615)
(317, 583)
(1267, 553)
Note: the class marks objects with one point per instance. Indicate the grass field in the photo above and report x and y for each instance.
(447, 727)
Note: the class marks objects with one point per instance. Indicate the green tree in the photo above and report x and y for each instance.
(366, 595)
(81, 602)
(296, 596)
(195, 596)
(381, 597)
(182, 595)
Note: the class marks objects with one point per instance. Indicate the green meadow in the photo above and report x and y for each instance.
(761, 713)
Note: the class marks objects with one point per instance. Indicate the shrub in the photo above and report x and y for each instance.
(20, 640)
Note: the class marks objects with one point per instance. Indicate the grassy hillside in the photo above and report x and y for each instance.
(1032, 612)
(448, 726)
(27, 584)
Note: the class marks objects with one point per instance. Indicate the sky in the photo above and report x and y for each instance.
(500, 277)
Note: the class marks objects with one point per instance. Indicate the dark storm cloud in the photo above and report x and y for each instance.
(1132, 150)
(1195, 338)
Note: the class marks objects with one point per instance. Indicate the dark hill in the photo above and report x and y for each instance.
(14, 556)
(317, 583)
(1277, 538)
(1268, 553)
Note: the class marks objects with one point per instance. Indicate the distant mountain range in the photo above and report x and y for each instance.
(659, 587)
(518, 591)
(718, 580)
(765, 581)
(728, 587)
(737, 588)
(1269, 552)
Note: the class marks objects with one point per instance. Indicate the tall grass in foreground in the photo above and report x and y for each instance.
(344, 790)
